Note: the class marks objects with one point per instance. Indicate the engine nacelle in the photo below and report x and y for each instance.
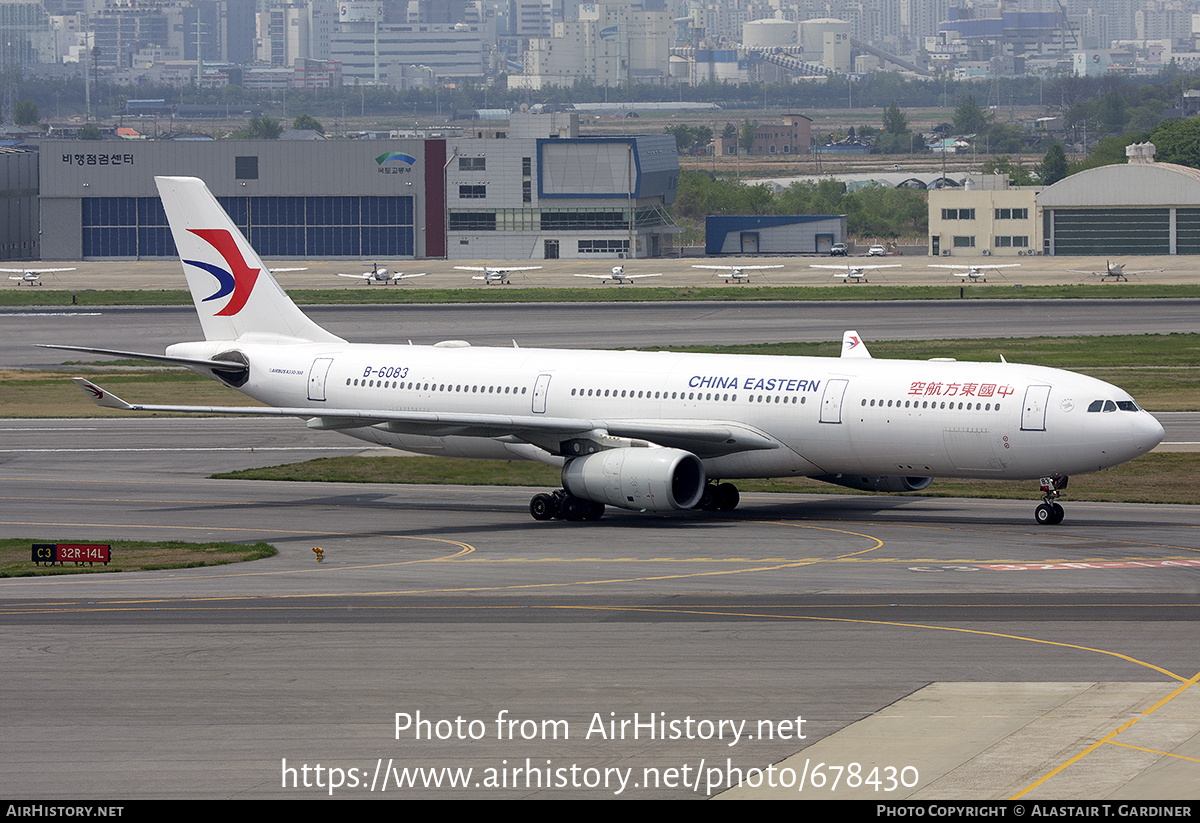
(889, 483)
(640, 479)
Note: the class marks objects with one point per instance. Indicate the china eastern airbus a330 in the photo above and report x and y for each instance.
(638, 430)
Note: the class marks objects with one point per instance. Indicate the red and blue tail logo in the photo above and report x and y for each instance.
(238, 280)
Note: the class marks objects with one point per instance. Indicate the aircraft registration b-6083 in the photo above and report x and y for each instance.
(638, 430)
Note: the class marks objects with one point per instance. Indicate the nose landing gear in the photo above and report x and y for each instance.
(1050, 512)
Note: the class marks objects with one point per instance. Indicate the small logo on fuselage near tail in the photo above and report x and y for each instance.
(238, 279)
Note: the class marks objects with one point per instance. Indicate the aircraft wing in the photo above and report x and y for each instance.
(406, 276)
(33, 271)
(731, 268)
(355, 276)
(848, 269)
(514, 268)
(702, 438)
(599, 276)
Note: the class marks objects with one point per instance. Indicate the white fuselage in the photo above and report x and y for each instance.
(827, 415)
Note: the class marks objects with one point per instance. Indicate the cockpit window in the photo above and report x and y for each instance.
(1110, 406)
(1096, 406)
(1127, 405)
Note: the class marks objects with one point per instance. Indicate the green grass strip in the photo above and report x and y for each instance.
(130, 556)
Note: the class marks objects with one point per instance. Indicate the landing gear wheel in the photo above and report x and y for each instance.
(543, 506)
(708, 498)
(572, 508)
(727, 497)
(1049, 514)
(594, 511)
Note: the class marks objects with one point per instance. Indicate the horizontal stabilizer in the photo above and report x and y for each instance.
(223, 366)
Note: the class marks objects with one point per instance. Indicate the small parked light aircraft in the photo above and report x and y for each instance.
(31, 276)
(378, 274)
(1114, 270)
(618, 276)
(495, 274)
(976, 273)
(855, 273)
(735, 274)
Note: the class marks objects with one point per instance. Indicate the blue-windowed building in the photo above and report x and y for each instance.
(379, 198)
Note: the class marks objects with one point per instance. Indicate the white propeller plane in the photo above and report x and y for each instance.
(973, 273)
(31, 276)
(735, 274)
(854, 273)
(379, 274)
(646, 431)
(495, 274)
(618, 276)
(1116, 271)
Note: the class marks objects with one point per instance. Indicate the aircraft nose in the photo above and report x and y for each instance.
(1147, 432)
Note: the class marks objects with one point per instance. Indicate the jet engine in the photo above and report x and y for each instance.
(887, 483)
(650, 479)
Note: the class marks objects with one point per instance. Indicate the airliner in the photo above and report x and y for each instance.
(645, 431)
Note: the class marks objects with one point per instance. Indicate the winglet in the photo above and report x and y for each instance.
(100, 396)
(853, 346)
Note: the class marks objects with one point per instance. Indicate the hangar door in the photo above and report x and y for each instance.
(1110, 231)
(1187, 231)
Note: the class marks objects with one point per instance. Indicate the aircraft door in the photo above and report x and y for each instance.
(316, 377)
(831, 401)
(540, 389)
(1033, 413)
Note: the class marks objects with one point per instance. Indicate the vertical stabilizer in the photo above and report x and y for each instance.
(853, 345)
(235, 295)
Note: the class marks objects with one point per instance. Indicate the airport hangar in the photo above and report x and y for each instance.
(1141, 207)
(462, 198)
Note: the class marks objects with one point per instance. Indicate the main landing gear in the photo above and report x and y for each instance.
(1050, 512)
(722, 497)
(561, 505)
